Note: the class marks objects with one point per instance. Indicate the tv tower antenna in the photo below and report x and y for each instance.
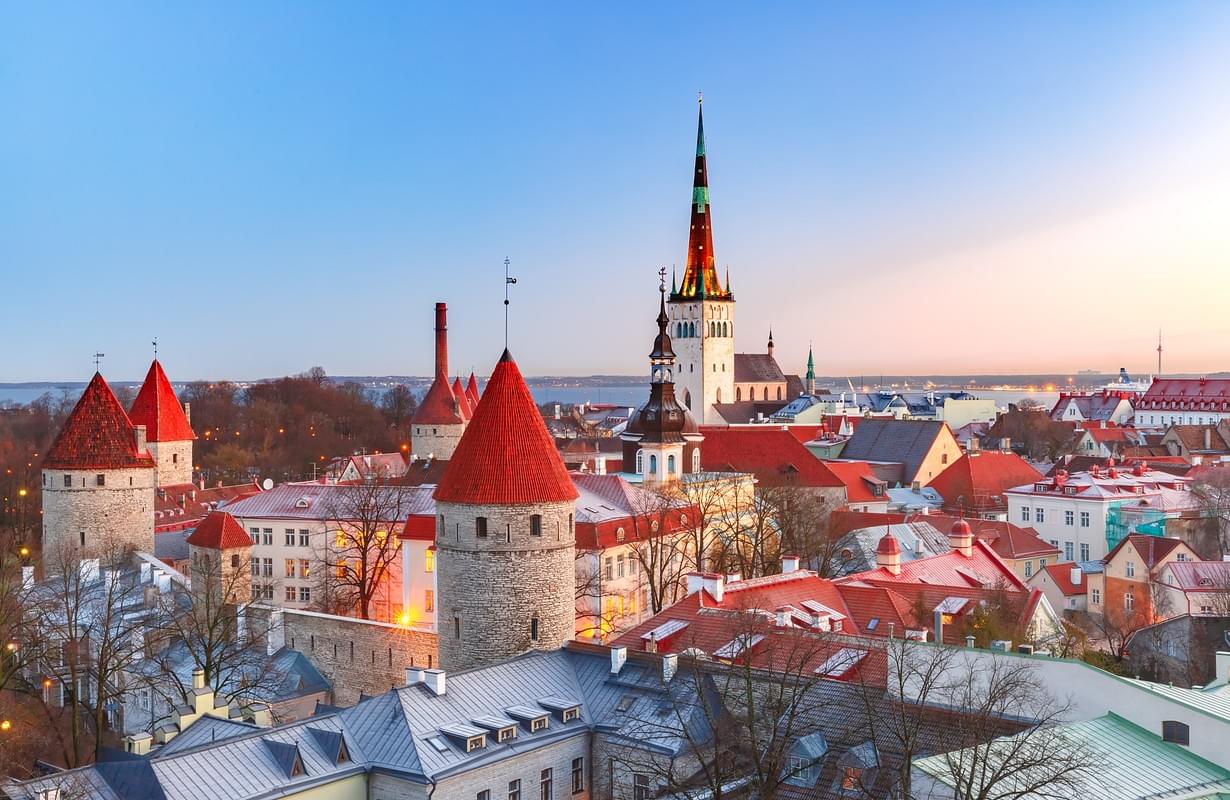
(1159, 352)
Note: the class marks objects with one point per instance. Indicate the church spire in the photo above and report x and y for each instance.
(700, 278)
(810, 378)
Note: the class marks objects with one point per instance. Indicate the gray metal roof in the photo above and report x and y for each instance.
(893, 440)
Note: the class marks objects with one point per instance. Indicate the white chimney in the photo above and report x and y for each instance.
(619, 655)
(188, 412)
(696, 581)
(198, 678)
(275, 637)
(434, 678)
(414, 675)
(714, 585)
(783, 617)
(790, 564)
(138, 432)
(1075, 576)
(1221, 669)
(670, 665)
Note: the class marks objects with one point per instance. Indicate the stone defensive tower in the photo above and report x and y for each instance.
(702, 311)
(98, 482)
(505, 511)
(219, 562)
(441, 418)
(168, 431)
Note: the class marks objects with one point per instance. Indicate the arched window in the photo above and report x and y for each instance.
(653, 464)
(738, 394)
(640, 462)
(687, 401)
(719, 394)
(1175, 731)
(695, 465)
(670, 465)
(726, 329)
(779, 393)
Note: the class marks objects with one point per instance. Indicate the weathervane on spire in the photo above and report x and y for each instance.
(98, 357)
(662, 280)
(700, 98)
(508, 281)
(155, 344)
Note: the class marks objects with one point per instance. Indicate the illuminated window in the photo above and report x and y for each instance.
(290, 567)
(429, 564)
(339, 541)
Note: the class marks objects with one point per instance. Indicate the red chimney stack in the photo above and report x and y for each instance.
(441, 339)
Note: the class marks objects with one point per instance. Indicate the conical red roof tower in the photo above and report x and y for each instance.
(158, 409)
(472, 391)
(463, 400)
(97, 434)
(506, 456)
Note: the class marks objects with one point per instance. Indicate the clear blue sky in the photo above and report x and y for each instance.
(917, 187)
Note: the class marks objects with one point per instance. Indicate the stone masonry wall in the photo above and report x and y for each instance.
(174, 461)
(438, 441)
(492, 588)
(356, 656)
(525, 766)
(118, 513)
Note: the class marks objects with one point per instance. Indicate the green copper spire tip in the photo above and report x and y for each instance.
(811, 365)
(674, 291)
(700, 131)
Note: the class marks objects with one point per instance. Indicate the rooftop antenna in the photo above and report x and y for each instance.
(98, 357)
(508, 281)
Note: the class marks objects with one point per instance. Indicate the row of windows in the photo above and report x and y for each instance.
(751, 393)
(481, 530)
(687, 330)
(614, 566)
(1069, 517)
(670, 463)
(1179, 420)
(99, 480)
(546, 784)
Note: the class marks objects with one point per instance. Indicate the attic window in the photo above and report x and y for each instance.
(873, 623)
(504, 734)
(571, 714)
(539, 724)
(475, 742)
(625, 703)
(303, 502)
(619, 534)
(438, 743)
(1176, 732)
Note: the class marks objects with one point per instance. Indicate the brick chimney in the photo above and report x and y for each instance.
(441, 339)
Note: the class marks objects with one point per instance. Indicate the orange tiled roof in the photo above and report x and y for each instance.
(506, 456)
(977, 482)
(97, 434)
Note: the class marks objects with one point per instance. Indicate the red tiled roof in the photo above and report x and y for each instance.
(1061, 575)
(506, 456)
(171, 513)
(439, 407)
(463, 400)
(420, 527)
(774, 455)
(158, 409)
(858, 478)
(1112, 434)
(472, 391)
(97, 434)
(982, 568)
(977, 482)
(219, 531)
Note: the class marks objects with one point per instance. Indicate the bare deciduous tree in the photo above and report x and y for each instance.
(362, 544)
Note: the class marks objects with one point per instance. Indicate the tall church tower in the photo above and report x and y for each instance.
(505, 537)
(701, 311)
(661, 441)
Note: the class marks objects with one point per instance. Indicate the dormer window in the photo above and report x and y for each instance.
(504, 734)
(571, 714)
(539, 724)
(475, 742)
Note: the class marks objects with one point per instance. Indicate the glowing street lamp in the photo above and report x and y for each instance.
(5, 726)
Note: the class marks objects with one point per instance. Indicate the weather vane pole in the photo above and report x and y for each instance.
(508, 281)
(662, 280)
(98, 357)
(155, 343)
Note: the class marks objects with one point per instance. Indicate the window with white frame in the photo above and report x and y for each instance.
(1069, 518)
(1095, 596)
(1024, 513)
(1039, 515)
(1084, 551)
(1084, 519)
(1129, 569)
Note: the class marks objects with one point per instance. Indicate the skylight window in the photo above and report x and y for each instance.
(873, 623)
(438, 743)
(625, 703)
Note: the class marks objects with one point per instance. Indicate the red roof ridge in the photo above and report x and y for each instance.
(158, 409)
(463, 400)
(506, 456)
(97, 434)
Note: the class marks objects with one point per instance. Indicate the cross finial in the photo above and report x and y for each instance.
(155, 343)
(662, 279)
(700, 98)
(98, 357)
